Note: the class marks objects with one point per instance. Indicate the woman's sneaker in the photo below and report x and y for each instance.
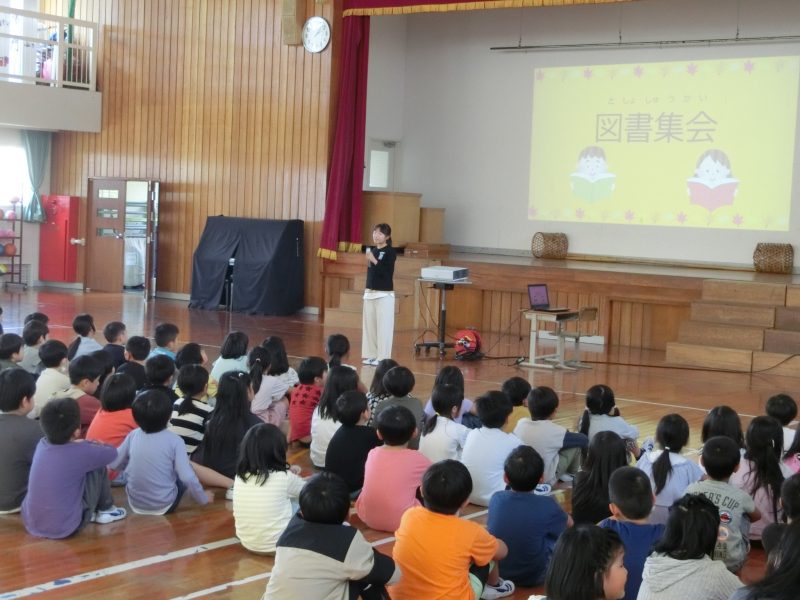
(229, 493)
(104, 517)
(503, 588)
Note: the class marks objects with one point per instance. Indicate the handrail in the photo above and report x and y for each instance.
(34, 49)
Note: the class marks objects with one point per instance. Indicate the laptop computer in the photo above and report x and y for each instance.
(540, 298)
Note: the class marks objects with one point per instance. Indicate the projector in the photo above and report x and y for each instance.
(445, 273)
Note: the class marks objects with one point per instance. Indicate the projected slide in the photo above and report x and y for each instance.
(685, 144)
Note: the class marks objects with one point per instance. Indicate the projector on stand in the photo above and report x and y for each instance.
(445, 273)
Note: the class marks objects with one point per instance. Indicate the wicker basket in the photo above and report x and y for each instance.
(773, 258)
(549, 245)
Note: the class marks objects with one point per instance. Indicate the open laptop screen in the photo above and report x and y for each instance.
(537, 294)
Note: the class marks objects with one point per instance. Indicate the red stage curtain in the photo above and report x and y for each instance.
(400, 7)
(341, 230)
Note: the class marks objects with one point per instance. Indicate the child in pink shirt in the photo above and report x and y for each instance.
(393, 473)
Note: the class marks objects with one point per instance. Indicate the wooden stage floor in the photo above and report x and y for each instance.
(193, 553)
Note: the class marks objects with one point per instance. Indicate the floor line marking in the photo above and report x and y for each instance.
(116, 569)
(237, 582)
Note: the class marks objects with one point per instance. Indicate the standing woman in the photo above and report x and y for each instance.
(378, 321)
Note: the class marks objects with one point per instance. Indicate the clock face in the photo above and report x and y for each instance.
(316, 34)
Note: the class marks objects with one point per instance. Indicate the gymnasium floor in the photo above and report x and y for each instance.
(193, 553)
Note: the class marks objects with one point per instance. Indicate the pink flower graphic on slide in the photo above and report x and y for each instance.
(579, 214)
(638, 71)
(749, 66)
(587, 73)
(682, 217)
(691, 68)
(738, 219)
(629, 215)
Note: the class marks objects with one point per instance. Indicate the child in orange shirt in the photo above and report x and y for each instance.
(441, 555)
(112, 424)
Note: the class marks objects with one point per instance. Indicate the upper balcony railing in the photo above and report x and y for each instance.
(41, 49)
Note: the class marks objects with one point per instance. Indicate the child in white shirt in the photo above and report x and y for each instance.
(442, 437)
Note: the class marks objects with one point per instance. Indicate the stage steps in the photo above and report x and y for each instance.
(741, 326)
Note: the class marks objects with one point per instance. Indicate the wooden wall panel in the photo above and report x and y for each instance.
(203, 96)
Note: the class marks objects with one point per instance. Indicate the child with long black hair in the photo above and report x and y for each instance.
(724, 421)
(324, 422)
(264, 489)
(190, 413)
(377, 393)
(270, 402)
(83, 326)
(607, 452)
(681, 567)
(452, 375)
(279, 361)
(602, 414)
(442, 437)
(761, 472)
(669, 471)
(782, 580)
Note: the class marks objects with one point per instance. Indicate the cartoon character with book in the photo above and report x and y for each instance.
(591, 181)
(713, 184)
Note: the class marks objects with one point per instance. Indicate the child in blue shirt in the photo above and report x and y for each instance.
(155, 460)
(631, 497)
(529, 524)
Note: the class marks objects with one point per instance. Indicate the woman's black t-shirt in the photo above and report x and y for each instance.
(381, 276)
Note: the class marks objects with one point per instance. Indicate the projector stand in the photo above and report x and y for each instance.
(440, 343)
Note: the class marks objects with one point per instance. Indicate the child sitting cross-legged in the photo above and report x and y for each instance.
(264, 489)
(112, 424)
(352, 442)
(116, 335)
(517, 390)
(631, 502)
(304, 398)
(84, 377)
(487, 448)
(442, 555)
(68, 485)
(54, 377)
(136, 350)
(319, 556)
(160, 371)
(529, 524)
(19, 437)
(34, 334)
(155, 461)
(190, 413)
(393, 472)
(737, 509)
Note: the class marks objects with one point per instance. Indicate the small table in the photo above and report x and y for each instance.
(549, 361)
(443, 287)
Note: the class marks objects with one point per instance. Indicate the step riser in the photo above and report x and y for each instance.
(764, 294)
(754, 316)
(782, 342)
(709, 357)
(787, 319)
(722, 336)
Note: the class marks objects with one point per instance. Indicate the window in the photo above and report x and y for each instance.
(14, 181)
(380, 159)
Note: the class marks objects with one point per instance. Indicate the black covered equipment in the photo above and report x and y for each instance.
(267, 274)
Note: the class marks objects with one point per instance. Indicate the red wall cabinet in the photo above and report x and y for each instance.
(58, 257)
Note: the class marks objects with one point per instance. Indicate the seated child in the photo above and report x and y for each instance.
(191, 353)
(154, 460)
(399, 382)
(783, 408)
(116, 335)
(517, 390)
(264, 489)
(114, 421)
(587, 563)
(137, 348)
(442, 555)
(34, 334)
(270, 403)
(190, 413)
(607, 453)
(560, 449)
(232, 357)
(790, 502)
(102, 357)
(670, 472)
(166, 339)
(782, 578)
(304, 397)
(352, 442)
(602, 414)
(84, 378)
(279, 362)
(452, 375)
(337, 348)
(68, 485)
(10, 351)
(631, 503)
(318, 541)
(19, 436)
(324, 422)
(721, 460)
(376, 393)
(487, 448)
(442, 437)
(36, 316)
(53, 378)
(83, 326)
(159, 371)
(528, 524)
(680, 566)
(393, 472)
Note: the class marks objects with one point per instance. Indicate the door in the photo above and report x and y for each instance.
(151, 264)
(105, 235)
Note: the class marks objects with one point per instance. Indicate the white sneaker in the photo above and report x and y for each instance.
(374, 362)
(229, 493)
(104, 517)
(503, 588)
(367, 361)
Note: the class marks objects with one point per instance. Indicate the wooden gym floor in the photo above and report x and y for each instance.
(193, 553)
